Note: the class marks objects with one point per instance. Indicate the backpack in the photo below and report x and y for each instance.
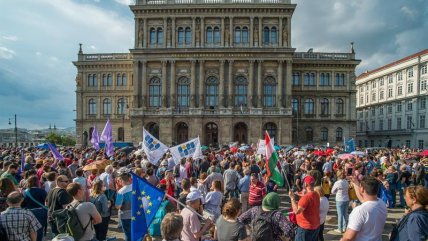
(155, 227)
(261, 227)
(67, 221)
(176, 170)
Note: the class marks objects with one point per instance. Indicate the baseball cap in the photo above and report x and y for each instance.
(192, 196)
(309, 180)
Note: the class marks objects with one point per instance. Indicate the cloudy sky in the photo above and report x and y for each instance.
(39, 40)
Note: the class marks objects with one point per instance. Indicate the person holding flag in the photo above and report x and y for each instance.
(272, 159)
(107, 137)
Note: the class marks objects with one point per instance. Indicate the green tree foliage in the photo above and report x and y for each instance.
(60, 140)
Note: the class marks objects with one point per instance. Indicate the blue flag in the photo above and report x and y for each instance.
(145, 202)
(350, 145)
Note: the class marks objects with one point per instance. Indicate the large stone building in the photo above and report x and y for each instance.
(223, 70)
(391, 104)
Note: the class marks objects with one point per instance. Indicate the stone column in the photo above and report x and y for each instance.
(250, 92)
(192, 84)
(137, 85)
(221, 86)
(260, 31)
(231, 31)
(222, 32)
(144, 92)
(202, 33)
(280, 42)
(251, 31)
(193, 32)
(146, 33)
(287, 96)
(164, 95)
(259, 84)
(137, 40)
(165, 31)
(230, 86)
(279, 86)
(173, 31)
(289, 32)
(173, 86)
(201, 83)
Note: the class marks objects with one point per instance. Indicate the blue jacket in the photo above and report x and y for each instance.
(415, 227)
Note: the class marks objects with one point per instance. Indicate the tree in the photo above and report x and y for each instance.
(60, 140)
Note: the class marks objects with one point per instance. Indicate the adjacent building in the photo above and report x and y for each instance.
(223, 70)
(391, 104)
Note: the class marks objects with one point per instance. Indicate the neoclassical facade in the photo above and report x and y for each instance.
(223, 70)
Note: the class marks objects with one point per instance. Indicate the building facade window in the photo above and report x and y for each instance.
(422, 103)
(389, 124)
(408, 143)
(421, 144)
(340, 79)
(309, 107)
(121, 80)
(92, 80)
(381, 110)
(410, 88)
(183, 92)
(373, 125)
(155, 92)
(241, 88)
(270, 36)
(381, 125)
(390, 79)
(295, 106)
(241, 35)
(325, 106)
(381, 95)
(399, 76)
(389, 109)
(156, 36)
(269, 92)
(271, 129)
(107, 80)
(409, 123)
(339, 134)
(309, 134)
(325, 79)
(324, 134)
(121, 105)
(424, 84)
(340, 106)
(389, 92)
(399, 107)
(107, 106)
(399, 123)
(410, 72)
(424, 69)
(92, 104)
(373, 96)
(381, 82)
(296, 79)
(309, 79)
(184, 36)
(211, 92)
(120, 134)
(399, 90)
(422, 121)
(409, 106)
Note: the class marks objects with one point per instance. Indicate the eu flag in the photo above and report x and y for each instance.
(145, 202)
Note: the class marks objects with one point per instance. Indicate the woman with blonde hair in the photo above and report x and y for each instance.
(340, 188)
(99, 199)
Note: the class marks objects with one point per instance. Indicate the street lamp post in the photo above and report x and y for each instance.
(16, 132)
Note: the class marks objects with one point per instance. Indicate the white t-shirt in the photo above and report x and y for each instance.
(369, 220)
(340, 188)
(323, 209)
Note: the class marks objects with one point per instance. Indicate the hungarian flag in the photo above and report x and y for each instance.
(271, 161)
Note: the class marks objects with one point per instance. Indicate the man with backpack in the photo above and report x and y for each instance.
(307, 211)
(81, 215)
(57, 199)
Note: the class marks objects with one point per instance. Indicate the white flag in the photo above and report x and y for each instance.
(153, 148)
(191, 148)
(261, 146)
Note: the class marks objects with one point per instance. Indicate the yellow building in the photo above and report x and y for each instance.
(223, 70)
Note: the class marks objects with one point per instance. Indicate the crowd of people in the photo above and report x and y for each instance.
(226, 195)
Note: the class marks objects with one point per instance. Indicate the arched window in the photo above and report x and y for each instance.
(211, 92)
(324, 134)
(109, 80)
(340, 79)
(309, 107)
(241, 86)
(118, 80)
(104, 80)
(237, 35)
(159, 36)
(269, 92)
(296, 78)
(120, 134)
(124, 80)
(339, 134)
(106, 106)
(155, 92)
(273, 36)
(340, 106)
(183, 92)
(92, 104)
(295, 106)
(309, 134)
(188, 36)
(121, 105)
(217, 38)
(209, 35)
(245, 38)
(153, 37)
(324, 79)
(270, 127)
(266, 36)
(325, 106)
(180, 36)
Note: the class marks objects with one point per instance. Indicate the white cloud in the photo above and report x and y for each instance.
(38, 53)
(10, 38)
(6, 53)
(126, 2)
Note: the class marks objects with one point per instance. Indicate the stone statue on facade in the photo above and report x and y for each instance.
(256, 33)
(79, 79)
(226, 34)
(168, 35)
(141, 34)
(284, 36)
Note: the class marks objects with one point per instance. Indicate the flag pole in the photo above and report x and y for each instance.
(184, 205)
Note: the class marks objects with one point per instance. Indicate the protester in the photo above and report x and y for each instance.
(86, 211)
(228, 228)
(231, 180)
(102, 203)
(57, 199)
(20, 224)
(324, 205)
(6, 187)
(366, 221)
(414, 225)
(193, 230)
(244, 188)
(307, 211)
(257, 191)
(213, 200)
(12, 170)
(171, 227)
(341, 188)
(123, 202)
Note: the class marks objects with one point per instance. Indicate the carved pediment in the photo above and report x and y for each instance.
(211, 72)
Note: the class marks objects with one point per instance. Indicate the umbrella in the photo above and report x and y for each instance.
(97, 165)
(424, 153)
(244, 148)
(203, 148)
(277, 148)
(329, 151)
(345, 156)
(358, 153)
(320, 153)
(299, 153)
